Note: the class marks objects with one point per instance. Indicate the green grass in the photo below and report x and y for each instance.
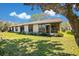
(17, 44)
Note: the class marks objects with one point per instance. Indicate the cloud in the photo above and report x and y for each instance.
(13, 14)
(50, 12)
(21, 15)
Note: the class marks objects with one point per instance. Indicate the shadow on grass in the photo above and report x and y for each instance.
(28, 47)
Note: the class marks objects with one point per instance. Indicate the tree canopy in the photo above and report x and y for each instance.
(4, 26)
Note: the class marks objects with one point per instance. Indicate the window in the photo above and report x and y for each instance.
(41, 28)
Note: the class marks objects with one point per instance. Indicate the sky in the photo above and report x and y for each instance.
(20, 13)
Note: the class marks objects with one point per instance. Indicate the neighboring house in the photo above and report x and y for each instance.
(49, 26)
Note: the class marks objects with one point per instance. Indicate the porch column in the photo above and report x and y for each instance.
(26, 28)
(18, 29)
(14, 29)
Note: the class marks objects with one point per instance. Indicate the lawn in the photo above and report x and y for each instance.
(14, 44)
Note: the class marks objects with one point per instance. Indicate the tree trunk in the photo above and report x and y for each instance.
(74, 22)
(75, 26)
(75, 29)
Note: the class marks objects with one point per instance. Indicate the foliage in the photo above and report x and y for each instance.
(65, 26)
(36, 17)
(59, 35)
(4, 26)
(43, 34)
(69, 32)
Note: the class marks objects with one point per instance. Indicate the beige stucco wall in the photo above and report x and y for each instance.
(35, 28)
(26, 28)
(14, 29)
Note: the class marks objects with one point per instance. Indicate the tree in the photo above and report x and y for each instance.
(36, 17)
(65, 27)
(66, 10)
(4, 26)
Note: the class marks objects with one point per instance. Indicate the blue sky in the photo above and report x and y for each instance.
(16, 10)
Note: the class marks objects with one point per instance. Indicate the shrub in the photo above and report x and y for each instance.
(35, 33)
(30, 33)
(24, 33)
(59, 34)
(70, 32)
(63, 30)
(21, 33)
(43, 34)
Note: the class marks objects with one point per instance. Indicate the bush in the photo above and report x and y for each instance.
(59, 35)
(21, 33)
(43, 34)
(35, 33)
(30, 33)
(70, 32)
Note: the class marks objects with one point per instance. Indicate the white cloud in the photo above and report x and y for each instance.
(13, 14)
(50, 12)
(24, 15)
(21, 15)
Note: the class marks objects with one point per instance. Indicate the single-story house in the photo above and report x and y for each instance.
(49, 26)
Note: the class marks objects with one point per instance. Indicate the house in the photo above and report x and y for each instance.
(49, 26)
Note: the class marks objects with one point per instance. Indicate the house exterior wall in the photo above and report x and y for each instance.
(26, 29)
(14, 30)
(35, 28)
